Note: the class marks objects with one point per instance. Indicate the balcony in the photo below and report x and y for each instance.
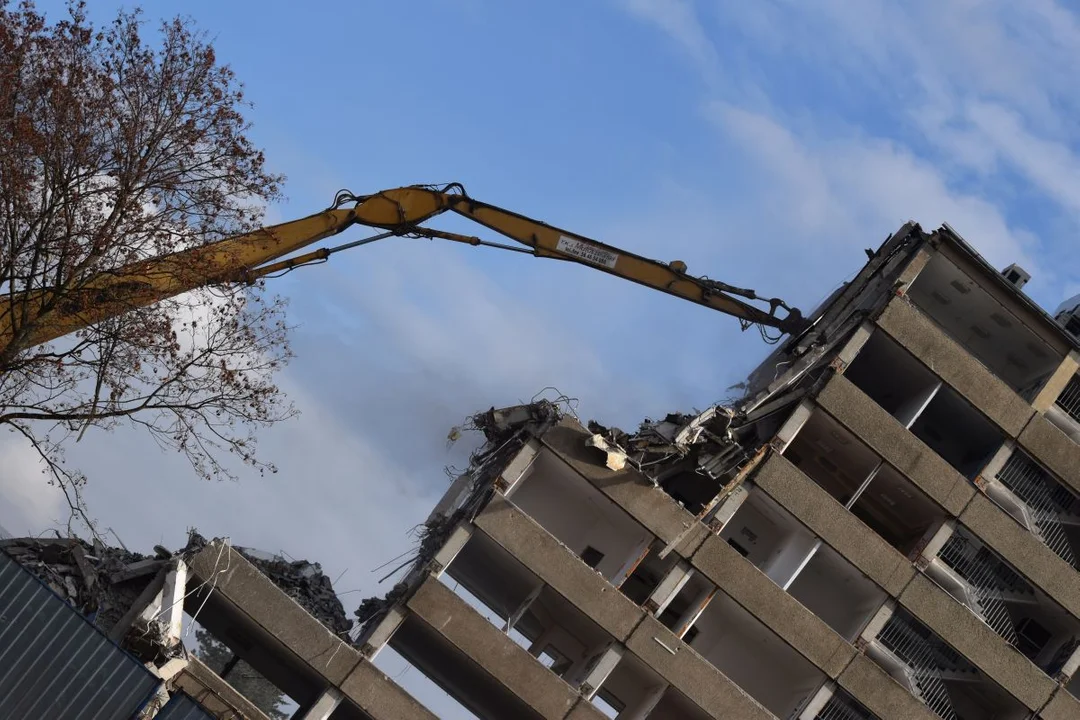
(935, 413)
(775, 542)
(1065, 412)
(1046, 508)
(856, 477)
(600, 532)
(1019, 613)
(936, 674)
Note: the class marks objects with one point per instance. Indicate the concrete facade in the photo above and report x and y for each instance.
(828, 548)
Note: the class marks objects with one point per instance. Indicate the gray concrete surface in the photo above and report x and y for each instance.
(649, 505)
(895, 444)
(1024, 552)
(837, 527)
(882, 695)
(499, 656)
(692, 675)
(920, 336)
(768, 602)
(985, 649)
(559, 568)
(380, 697)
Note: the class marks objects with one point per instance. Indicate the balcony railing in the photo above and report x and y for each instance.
(1046, 499)
(1069, 399)
(928, 659)
(842, 707)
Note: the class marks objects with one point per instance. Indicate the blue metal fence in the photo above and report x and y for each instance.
(182, 707)
(55, 664)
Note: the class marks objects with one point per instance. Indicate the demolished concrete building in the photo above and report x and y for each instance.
(885, 525)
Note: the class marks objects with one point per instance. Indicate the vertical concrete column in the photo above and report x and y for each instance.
(852, 347)
(818, 702)
(450, 549)
(646, 705)
(515, 616)
(167, 607)
(912, 269)
(323, 706)
(1057, 381)
(380, 635)
(876, 624)
(693, 612)
(723, 512)
(932, 541)
(1069, 668)
(793, 425)
(669, 587)
(992, 468)
(598, 672)
(514, 472)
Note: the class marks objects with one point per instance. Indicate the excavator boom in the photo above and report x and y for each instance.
(45, 315)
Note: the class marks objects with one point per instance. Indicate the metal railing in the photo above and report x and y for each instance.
(843, 707)
(927, 657)
(987, 578)
(1046, 499)
(1069, 399)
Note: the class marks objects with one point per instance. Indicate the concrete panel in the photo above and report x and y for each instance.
(766, 601)
(498, 655)
(893, 442)
(1062, 706)
(214, 694)
(883, 696)
(691, 674)
(250, 591)
(559, 568)
(1049, 392)
(953, 364)
(828, 519)
(380, 697)
(986, 650)
(1024, 552)
(649, 505)
(1054, 449)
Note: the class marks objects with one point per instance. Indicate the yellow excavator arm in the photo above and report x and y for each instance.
(48, 315)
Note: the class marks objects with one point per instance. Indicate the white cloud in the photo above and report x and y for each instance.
(30, 503)
(679, 20)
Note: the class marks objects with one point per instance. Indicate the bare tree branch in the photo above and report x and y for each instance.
(118, 149)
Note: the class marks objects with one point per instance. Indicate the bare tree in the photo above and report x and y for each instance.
(114, 149)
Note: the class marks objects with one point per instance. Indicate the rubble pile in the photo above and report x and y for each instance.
(101, 582)
(690, 456)
(305, 583)
(301, 580)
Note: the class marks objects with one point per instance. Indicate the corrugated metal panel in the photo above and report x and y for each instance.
(55, 664)
(182, 707)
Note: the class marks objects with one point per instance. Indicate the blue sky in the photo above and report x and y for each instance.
(765, 144)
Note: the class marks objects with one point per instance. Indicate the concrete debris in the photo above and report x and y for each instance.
(660, 447)
(99, 581)
(305, 583)
(103, 582)
(301, 580)
(616, 456)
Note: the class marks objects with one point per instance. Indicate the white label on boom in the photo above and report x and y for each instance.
(587, 252)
